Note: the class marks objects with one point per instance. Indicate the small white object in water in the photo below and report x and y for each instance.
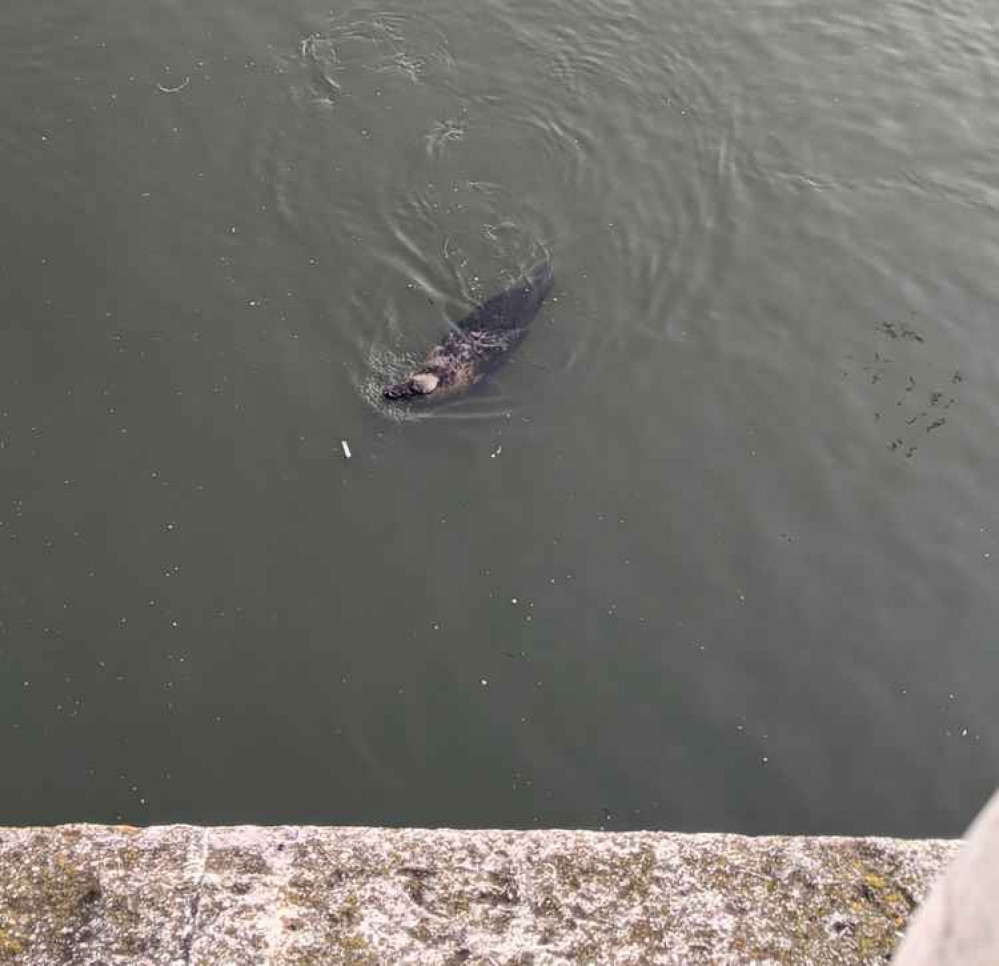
(496, 452)
(345, 448)
(173, 90)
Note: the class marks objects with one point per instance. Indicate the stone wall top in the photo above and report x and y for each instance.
(175, 895)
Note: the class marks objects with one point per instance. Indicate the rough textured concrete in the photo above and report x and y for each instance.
(177, 895)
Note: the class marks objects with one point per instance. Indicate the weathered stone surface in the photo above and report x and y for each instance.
(180, 895)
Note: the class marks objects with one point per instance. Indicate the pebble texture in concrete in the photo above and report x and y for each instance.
(184, 896)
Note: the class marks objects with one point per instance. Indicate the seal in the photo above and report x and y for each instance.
(478, 343)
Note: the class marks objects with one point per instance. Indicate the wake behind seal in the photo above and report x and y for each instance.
(479, 343)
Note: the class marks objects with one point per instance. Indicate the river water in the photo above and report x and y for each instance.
(717, 549)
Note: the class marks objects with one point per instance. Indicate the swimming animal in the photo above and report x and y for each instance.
(479, 342)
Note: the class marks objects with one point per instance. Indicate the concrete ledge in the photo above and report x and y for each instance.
(177, 895)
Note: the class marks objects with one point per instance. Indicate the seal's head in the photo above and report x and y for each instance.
(421, 384)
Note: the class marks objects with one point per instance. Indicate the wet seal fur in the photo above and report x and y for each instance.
(479, 342)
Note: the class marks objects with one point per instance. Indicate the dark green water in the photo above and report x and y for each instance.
(717, 550)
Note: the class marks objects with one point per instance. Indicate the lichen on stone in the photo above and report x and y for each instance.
(295, 896)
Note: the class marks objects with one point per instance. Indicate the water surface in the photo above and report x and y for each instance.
(717, 550)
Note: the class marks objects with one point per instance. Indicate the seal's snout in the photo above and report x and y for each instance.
(399, 391)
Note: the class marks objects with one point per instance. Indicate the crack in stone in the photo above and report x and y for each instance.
(273, 923)
(187, 942)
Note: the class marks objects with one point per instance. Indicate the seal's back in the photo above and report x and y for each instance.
(514, 307)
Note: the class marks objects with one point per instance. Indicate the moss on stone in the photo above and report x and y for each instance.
(10, 946)
(363, 896)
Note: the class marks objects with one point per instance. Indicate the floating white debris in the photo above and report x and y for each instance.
(345, 448)
(496, 452)
(172, 90)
